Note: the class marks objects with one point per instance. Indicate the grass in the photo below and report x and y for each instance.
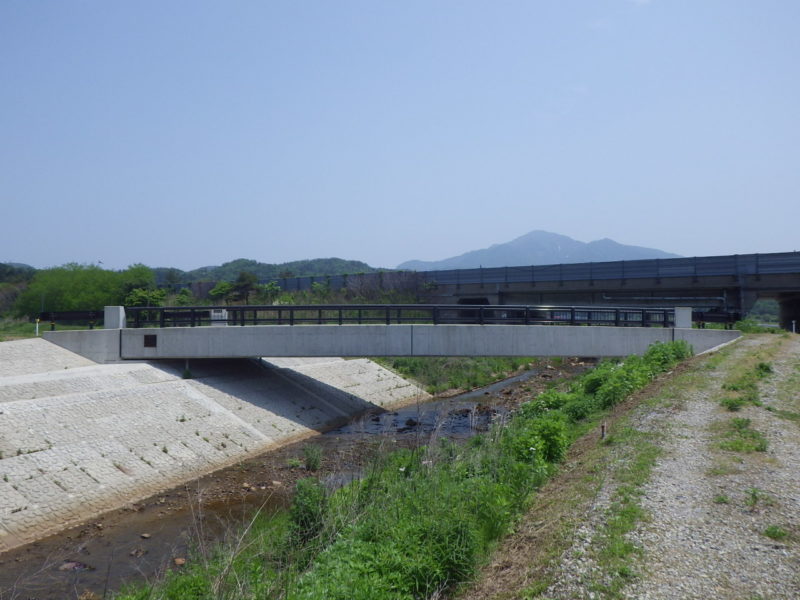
(785, 414)
(312, 457)
(738, 436)
(616, 554)
(420, 521)
(743, 385)
(15, 329)
(755, 497)
(775, 532)
(438, 374)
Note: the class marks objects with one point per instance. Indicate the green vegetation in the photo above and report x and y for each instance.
(744, 387)
(312, 457)
(754, 497)
(765, 310)
(420, 521)
(776, 532)
(229, 271)
(81, 287)
(438, 374)
(25, 292)
(616, 550)
(739, 437)
(750, 325)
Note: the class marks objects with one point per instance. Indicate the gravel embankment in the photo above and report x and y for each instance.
(708, 508)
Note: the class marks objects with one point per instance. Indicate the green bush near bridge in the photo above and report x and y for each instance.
(420, 521)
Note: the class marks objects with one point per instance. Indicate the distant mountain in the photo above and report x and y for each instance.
(16, 272)
(539, 248)
(229, 271)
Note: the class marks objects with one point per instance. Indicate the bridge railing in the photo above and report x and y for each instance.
(393, 314)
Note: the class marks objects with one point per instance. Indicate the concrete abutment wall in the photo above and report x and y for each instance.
(376, 340)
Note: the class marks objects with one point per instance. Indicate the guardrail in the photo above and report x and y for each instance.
(391, 314)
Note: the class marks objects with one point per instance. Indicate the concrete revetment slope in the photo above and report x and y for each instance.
(78, 438)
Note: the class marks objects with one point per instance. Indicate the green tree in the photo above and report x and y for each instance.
(137, 276)
(145, 297)
(223, 291)
(244, 284)
(268, 292)
(321, 291)
(185, 298)
(71, 287)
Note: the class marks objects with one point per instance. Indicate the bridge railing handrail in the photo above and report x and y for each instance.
(397, 314)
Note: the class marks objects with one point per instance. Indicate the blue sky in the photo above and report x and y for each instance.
(191, 133)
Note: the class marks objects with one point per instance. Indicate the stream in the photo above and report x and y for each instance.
(137, 543)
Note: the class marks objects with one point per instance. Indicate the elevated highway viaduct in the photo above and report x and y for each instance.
(723, 285)
(726, 284)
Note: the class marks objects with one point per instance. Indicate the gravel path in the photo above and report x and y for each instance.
(709, 508)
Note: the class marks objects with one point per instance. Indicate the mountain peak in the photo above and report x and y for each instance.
(540, 247)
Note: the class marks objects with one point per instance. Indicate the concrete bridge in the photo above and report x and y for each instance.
(724, 284)
(118, 342)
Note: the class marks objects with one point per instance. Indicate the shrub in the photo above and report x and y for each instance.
(732, 404)
(307, 513)
(312, 456)
(763, 369)
(578, 408)
(545, 435)
(548, 400)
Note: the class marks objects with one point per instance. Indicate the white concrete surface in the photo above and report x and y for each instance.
(683, 317)
(78, 438)
(114, 317)
(396, 340)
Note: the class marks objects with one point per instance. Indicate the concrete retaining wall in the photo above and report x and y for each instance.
(379, 340)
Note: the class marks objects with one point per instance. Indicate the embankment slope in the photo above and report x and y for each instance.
(78, 438)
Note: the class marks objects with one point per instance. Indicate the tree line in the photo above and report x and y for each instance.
(25, 292)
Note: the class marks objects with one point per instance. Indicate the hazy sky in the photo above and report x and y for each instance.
(191, 133)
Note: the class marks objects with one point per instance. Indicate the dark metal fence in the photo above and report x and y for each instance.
(89, 318)
(392, 314)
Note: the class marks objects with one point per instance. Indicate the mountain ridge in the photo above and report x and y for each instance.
(539, 247)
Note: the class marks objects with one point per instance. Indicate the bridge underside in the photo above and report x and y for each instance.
(113, 345)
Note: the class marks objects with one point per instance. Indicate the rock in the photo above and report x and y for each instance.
(277, 483)
(179, 562)
(75, 565)
(138, 552)
(145, 536)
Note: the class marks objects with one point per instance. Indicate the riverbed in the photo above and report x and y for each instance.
(140, 541)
